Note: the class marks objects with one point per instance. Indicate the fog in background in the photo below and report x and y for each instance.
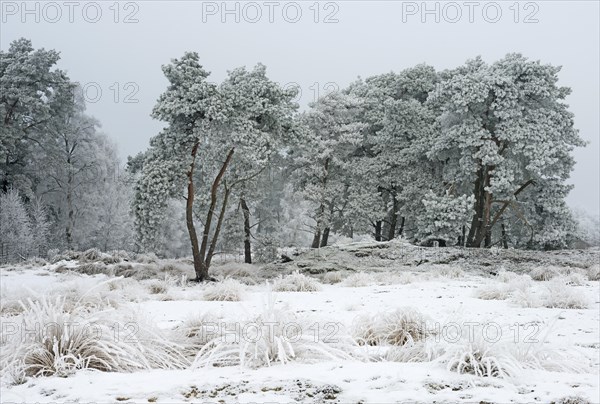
(329, 45)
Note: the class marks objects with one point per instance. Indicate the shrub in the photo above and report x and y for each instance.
(228, 290)
(399, 327)
(296, 282)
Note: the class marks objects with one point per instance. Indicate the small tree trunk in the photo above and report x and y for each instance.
(70, 210)
(324, 237)
(199, 267)
(316, 239)
(247, 235)
(401, 231)
(394, 219)
(504, 237)
(378, 230)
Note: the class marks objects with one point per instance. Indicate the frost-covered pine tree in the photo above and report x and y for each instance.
(16, 238)
(505, 132)
(393, 166)
(207, 126)
(322, 159)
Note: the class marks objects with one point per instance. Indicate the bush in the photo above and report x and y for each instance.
(296, 282)
(228, 290)
(399, 327)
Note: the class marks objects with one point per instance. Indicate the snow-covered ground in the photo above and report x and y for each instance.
(539, 339)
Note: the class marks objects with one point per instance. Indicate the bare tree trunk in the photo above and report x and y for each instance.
(394, 219)
(378, 230)
(316, 238)
(200, 263)
(477, 216)
(215, 238)
(401, 231)
(70, 210)
(199, 267)
(247, 235)
(504, 237)
(325, 237)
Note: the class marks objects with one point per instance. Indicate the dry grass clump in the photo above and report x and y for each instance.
(360, 279)
(195, 332)
(69, 340)
(544, 273)
(559, 295)
(333, 277)
(245, 273)
(273, 336)
(575, 279)
(481, 358)
(10, 307)
(296, 282)
(156, 287)
(493, 291)
(593, 272)
(146, 258)
(399, 327)
(229, 290)
(572, 400)
(503, 357)
(420, 351)
(93, 254)
(448, 271)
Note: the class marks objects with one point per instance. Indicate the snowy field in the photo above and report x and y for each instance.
(360, 323)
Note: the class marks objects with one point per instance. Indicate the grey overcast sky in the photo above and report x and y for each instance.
(121, 45)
